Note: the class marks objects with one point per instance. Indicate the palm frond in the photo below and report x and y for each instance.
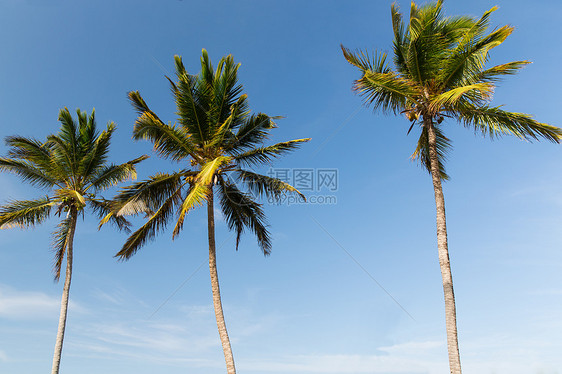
(366, 62)
(169, 141)
(102, 208)
(470, 57)
(192, 100)
(196, 195)
(71, 195)
(30, 150)
(399, 40)
(67, 133)
(455, 28)
(253, 131)
(226, 92)
(263, 185)
(155, 224)
(147, 196)
(95, 150)
(111, 175)
(495, 122)
(208, 171)
(238, 114)
(443, 145)
(477, 91)
(207, 70)
(241, 211)
(60, 244)
(27, 172)
(25, 213)
(263, 155)
(87, 132)
(425, 43)
(493, 74)
(61, 155)
(386, 91)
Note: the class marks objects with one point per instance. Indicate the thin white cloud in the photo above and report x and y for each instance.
(27, 304)
(184, 337)
(104, 296)
(95, 350)
(427, 357)
(546, 191)
(347, 364)
(3, 356)
(411, 357)
(16, 304)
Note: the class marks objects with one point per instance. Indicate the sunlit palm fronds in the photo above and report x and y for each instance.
(73, 165)
(216, 137)
(440, 72)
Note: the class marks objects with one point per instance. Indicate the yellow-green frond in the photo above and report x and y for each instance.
(209, 170)
(196, 195)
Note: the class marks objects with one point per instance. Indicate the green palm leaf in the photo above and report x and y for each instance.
(443, 146)
(252, 132)
(240, 212)
(25, 213)
(170, 141)
(94, 156)
(196, 195)
(102, 208)
(156, 223)
(111, 175)
(263, 155)
(192, 99)
(28, 172)
(59, 245)
(147, 196)
(266, 186)
(495, 122)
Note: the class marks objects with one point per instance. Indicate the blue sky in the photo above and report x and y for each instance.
(309, 307)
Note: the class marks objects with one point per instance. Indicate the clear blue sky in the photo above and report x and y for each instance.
(307, 308)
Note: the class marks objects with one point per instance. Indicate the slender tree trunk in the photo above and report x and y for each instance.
(65, 292)
(443, 250)
(223, 333)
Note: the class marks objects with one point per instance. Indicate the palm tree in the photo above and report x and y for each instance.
(439, 72)
(215, 140)
(73, 166)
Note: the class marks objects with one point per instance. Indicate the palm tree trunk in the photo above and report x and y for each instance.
(443, 250)
(65, 293)
(223, 333)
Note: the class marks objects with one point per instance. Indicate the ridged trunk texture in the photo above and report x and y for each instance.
(65, 292)
(223, 333)
(443, 250)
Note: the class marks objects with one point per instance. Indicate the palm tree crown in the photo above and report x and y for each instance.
(216, 138)
(439, 72)
(73, 165)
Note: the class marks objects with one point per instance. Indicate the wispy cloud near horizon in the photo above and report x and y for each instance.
(18, 304)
